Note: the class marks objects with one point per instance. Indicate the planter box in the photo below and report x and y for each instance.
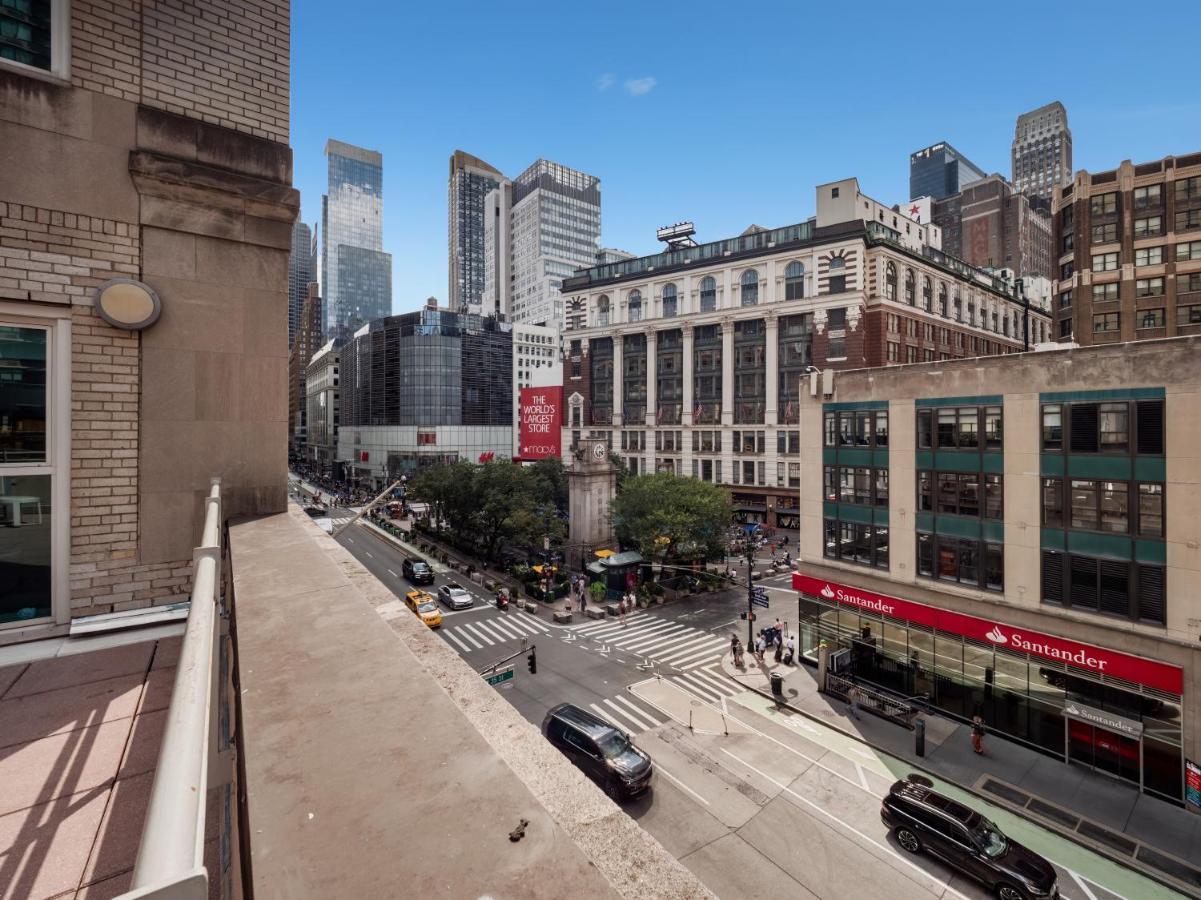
(593, 613)
(477, 577)
(563, 618)
(531, 606)
(612, 610)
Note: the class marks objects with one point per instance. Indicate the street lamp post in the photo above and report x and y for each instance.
(750, 589)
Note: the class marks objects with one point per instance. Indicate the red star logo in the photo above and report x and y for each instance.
(914, 210)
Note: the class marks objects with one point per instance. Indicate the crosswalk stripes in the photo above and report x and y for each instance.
(652, 637)
(493, 630)
(631, 713)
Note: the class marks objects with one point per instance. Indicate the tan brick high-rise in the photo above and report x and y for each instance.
(145, 141)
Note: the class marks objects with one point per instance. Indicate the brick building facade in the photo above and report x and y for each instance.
(150, 144)
(990, 224)
(1128, 245)
(693, 360)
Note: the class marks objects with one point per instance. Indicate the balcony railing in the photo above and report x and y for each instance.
(170, 862)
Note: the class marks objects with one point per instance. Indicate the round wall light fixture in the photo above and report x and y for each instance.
(127, 303)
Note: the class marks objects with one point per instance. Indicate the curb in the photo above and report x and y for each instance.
(1096, 847)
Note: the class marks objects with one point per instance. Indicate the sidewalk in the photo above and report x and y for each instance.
(1069, 799)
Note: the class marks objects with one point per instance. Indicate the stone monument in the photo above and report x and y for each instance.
(592, 483)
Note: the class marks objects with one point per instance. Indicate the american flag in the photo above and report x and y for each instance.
(788, 412)
(698, 412)
(659, 415)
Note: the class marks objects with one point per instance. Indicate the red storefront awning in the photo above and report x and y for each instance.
(1138, 669)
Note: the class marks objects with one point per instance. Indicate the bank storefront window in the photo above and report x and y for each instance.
(1080, 703)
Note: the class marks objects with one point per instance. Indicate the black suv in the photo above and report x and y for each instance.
(602, 751)
(922, 819)
(417, 571)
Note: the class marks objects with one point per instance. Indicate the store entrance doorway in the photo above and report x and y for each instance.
(1104, 750)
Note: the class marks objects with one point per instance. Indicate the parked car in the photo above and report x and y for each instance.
(603, 752)
(422, 603)
(417, 571)
(923, 820)
(455, 597)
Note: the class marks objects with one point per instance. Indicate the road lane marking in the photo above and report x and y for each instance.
(688, 649)
(640, 723)
(655, 723)
(492, 629)
(697, 659)
(369, 556)
(643, 629)
(393, 574)
(662, 771)
(833, 818)
(723, 686)
(452, 636)
(608, 717)
(663, 637)
(725, 624)
(707, 692)
(479, 634)
(467, 637)
(1080, 881)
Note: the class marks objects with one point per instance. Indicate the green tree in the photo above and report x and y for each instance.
(667, 516)
(551, 471)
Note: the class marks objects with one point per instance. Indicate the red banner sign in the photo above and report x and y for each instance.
(1084, 656)
(541, 421)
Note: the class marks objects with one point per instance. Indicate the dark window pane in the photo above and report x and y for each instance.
(969, 423)
(969, 495)
(925, 554)
(994, 567)
(1052, 427)
(1084, 582)
(1084, 427)
(1151, 594)
(1052, 577)
(1150, 426)
(946, 428)
(22, 395)
(1115, 587)
(1150, 510)
(993, 497)
(925, 425)
(1084, 504)
(1114, 426)
(1053, 502)
(1115, 503)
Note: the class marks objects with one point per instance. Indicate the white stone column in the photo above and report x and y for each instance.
(727, 371)
(771, 358)
(618, 381)
(689, 365)
(652, 379)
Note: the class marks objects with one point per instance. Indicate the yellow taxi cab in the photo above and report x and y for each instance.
(426, 608)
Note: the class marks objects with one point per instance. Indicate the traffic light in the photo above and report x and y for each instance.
(531, 662)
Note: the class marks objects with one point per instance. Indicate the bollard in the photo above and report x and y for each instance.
(919, 736)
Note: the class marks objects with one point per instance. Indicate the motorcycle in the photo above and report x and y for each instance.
(502, 601)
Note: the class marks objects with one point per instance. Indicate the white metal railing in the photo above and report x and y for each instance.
(170, 862)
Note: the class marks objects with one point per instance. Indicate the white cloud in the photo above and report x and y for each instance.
(639, 86)
(606, 81)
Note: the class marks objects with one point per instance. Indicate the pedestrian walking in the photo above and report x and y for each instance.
(978, 734)
(760, 647)
(790, 651)
(621, 609)
(853, 695)
(779, 649)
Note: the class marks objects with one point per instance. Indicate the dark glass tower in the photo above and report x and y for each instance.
(939, 171)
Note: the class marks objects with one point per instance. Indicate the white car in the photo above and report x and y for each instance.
(455, 597)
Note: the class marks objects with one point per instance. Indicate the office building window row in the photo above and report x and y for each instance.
(857, 428)
(1121, 427)
(862, 485)
(1114, 587)
(974, 494)
(968, 561)
(1109, 507)
(855, 542)
(965, 427)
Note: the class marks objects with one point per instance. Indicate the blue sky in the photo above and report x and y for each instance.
(723, 113)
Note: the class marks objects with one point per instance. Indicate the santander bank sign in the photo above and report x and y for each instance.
(1021, 640)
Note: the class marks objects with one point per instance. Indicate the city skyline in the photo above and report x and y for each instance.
(613, 110)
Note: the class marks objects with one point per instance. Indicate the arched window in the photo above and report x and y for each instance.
(669, 300)
(794, 281)
(942, 299)
(750, 287)
(635, 306)
(927, 293)
(708, 294)
(909, 288)
(602, 310)
(890, 282)
(837, 262)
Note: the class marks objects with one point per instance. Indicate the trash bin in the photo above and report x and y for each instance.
(777, 684)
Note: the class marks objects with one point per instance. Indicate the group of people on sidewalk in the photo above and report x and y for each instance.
(770, 637)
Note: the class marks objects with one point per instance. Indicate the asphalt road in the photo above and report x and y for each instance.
(778, 806)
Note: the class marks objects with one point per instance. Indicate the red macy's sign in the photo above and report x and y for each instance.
(1084, 656)
(541, 421)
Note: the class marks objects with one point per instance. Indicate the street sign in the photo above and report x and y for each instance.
(759, 593)
(504, 674)
(760, 601)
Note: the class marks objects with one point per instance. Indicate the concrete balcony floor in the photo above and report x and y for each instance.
(80, 727)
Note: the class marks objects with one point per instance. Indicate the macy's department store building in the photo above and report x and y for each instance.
(1017, 538)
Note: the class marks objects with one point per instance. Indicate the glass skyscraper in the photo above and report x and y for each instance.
(470, 181)
(301, 270)
(939, 171)
(356, 274)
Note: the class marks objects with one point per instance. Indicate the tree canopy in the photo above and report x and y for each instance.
(665, 516)
(495, 503)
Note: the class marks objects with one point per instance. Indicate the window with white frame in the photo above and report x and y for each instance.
(35, 36)
(34, 467)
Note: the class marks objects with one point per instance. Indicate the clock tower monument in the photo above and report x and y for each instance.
(592, 483)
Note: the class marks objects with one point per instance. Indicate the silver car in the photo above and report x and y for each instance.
(455, 597)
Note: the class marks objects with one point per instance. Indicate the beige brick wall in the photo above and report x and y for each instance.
(221, 61)
(106, 38)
